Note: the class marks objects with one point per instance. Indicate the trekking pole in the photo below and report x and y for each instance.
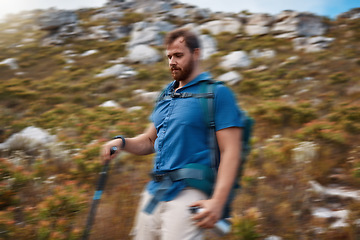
(97, 196)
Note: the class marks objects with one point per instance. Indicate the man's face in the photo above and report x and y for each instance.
(181, 60)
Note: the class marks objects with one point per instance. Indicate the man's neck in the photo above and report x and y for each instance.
(193, 75)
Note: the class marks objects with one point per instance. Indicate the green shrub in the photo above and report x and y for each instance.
(245, 226)
(321, 130)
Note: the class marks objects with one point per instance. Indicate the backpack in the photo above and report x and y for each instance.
(207, 104)
(200, 176)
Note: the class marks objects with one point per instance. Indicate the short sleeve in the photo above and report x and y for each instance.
(227, 112)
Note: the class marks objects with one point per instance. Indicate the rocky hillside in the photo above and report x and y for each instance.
(70, 80)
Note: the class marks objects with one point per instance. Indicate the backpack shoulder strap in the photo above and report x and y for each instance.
(209, 111)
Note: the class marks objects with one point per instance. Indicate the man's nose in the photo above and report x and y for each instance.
(172, 62)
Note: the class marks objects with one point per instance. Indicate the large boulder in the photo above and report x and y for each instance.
(143, 54)
(149, 33)
(231, 25)
(290, 24)
(28, 138)
(53, 20)
(312, 44)
(110, 13)
(352, 14)
(153, 6)
(259, 24)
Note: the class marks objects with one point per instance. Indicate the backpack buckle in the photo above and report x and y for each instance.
(175, 95)
(157, 177)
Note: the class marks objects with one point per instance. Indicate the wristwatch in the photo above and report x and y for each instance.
(122, 139)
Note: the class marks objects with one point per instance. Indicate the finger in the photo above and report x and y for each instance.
(196, 204)
(207, 222)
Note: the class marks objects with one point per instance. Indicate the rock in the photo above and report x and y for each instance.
(89, 52)
(341, 216)
(116, 71)
(268, 53)
(30, 136)
(259, 24)
(53, 20)
(181, 13)
(305, 152)
(153, 6)
(352, 14)
(208, 46)
(312, 44)
(231, 78)
(236, 59)
(294, 24)
(134, 109)
(110, 103)
(337, 192)
(199, 13)
(143, 54)
(145, 96)
(98, 32)
(258, 69)
(108, 13)
(118, 32)
(11, 62)
(58, 36)
(145, 33)
(163, 26)
(227, 24)
(273, 237)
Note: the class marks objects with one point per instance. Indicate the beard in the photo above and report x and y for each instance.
(181, 74)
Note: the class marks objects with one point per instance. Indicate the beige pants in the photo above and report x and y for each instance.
(170, 220)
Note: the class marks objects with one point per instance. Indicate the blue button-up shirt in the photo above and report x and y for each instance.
(182, 133)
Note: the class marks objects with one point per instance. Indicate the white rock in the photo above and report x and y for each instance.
(110, 103)
(268, 53)
(208, 46)
(143, 54)
(145, 96)
(216, 27)
(134, 109)
(305, 152)
(89, 52)
(114, 71)
(11, 62)
(32, 136)
(231, 78)
(236, 59)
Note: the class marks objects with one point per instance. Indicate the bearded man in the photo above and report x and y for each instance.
(179, 136)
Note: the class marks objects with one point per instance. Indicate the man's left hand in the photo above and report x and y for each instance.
(210, 214)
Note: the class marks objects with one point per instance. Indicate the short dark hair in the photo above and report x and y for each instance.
(191, 40)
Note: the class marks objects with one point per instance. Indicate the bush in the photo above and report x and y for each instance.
(245, 227)
(321, 130)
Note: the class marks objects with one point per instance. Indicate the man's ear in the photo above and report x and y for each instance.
(197, 53)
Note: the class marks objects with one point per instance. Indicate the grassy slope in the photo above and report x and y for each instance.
(324, 109)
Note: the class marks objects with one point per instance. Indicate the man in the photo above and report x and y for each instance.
(179, 136)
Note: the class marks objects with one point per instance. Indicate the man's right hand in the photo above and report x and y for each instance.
(106, 150)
